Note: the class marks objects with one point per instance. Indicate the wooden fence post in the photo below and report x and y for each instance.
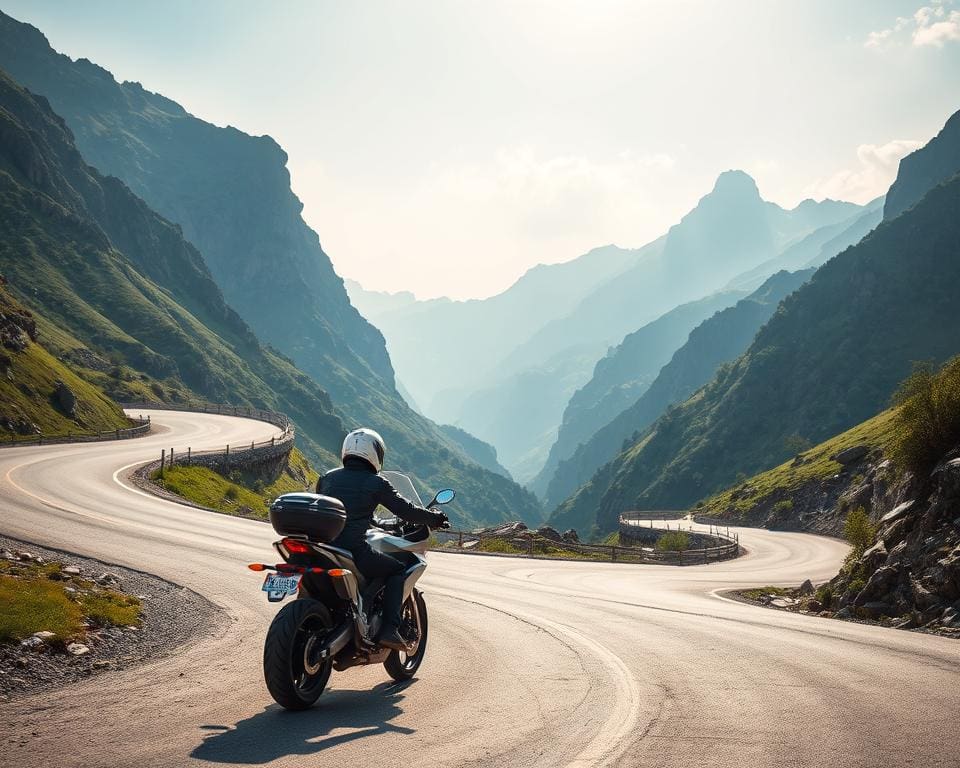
(163, 459)
(189, 450)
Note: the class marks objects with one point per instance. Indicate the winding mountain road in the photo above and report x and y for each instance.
(530, 662)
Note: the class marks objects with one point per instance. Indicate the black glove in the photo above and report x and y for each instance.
(438, 519)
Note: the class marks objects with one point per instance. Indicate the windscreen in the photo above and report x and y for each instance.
(404, 486)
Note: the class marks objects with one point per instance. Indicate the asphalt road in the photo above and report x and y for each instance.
(529, 662)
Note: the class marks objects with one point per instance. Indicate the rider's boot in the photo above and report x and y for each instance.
(390, 637)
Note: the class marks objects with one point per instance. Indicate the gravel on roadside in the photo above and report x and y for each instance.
(171, 617)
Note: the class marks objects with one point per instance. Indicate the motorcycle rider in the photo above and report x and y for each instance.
(359, 485)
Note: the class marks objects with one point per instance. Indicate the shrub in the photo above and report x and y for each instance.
(674, 541)
(783, 506)
(825, 595)
(856, 586)
(858, 530)
(928, 418)
(499, 545)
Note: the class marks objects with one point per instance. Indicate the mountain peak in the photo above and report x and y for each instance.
(737, 183)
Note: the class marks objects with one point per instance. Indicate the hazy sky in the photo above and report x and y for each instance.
(445, 147)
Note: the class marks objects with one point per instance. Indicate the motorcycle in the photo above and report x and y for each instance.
(334, 620)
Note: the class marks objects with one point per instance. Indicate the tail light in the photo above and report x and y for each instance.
(295, 547)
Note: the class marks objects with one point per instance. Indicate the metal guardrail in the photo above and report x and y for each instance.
(654, 514)
(271, 417)
(611, 553)
(141, 428)
(238, 452)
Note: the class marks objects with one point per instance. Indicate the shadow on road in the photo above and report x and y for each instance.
(275, 732)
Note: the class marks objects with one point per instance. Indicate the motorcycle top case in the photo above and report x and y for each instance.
(317, 517)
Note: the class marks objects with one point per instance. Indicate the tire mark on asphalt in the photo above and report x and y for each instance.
(611, 741)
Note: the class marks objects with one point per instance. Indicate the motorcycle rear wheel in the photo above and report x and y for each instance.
(399, 665)
(294, 675)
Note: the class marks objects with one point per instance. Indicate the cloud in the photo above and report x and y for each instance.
(875, 172)
(931, 25)
(937, 33)
(556, 197)
(877, 39)
(469, 226)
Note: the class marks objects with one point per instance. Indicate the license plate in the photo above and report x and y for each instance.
(278, 587)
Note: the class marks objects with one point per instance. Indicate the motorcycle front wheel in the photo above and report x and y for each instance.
(292, 668)
(399, 664)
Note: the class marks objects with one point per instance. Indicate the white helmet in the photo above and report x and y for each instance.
(365, 444)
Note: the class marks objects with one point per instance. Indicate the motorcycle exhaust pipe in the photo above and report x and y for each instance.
(338, 642)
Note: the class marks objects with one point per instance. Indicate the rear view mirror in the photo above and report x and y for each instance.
(444, 497)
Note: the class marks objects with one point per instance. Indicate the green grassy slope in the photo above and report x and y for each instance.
(815, 463)
(29, 376)
(61, 223)
(239, 493)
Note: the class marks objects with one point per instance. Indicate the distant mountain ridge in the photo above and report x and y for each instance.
(717, 340)
(730, 230)
(817, 248)
(623, 375)
(828, 359)
(434, 342)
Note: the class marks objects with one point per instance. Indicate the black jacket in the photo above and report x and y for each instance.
(361, 489)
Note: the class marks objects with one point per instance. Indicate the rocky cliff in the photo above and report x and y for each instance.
(920, 171)
(911, 572)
